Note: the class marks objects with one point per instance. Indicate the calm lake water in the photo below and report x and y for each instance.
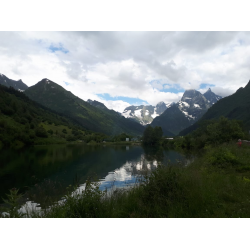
(43, 173)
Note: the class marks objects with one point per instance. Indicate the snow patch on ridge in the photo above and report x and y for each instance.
(138, 113)
(154, 114)
(186, 104)
(127, 114)
(197, 106)
(168, 104)
(187, 115)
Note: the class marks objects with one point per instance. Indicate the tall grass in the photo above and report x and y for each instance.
(216, 184)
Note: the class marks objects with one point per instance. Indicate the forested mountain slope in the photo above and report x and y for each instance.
(25, 122)
(55, 97)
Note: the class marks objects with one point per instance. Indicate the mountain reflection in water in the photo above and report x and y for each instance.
(43, 173)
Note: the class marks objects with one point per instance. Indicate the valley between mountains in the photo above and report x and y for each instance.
(94, 116)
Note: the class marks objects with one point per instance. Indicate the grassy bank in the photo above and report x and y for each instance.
(216, 184)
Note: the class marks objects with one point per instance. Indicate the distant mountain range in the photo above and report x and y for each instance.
(186, 112)
(235, 106)
(174, 117)
(95, 116)
(145, 114)
(18, 85)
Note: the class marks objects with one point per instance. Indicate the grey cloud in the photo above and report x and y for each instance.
(127, 78)
(223, 91)
(174, 57)
(203, 40)
(145, 48)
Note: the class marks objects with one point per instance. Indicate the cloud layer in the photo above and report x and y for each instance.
(128, 64)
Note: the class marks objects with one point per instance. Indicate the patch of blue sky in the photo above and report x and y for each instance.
(172, 88)
(232, 47)
(206, 85)
(54, 48)
(40, 41)
(66, 83)
(225, 52)
(241, 42)
(165, 87)
(130, 100)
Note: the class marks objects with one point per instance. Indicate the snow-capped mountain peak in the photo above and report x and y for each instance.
(145, 114)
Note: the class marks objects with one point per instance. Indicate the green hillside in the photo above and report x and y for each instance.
(24, 122)
(236, 106)
(106, 121)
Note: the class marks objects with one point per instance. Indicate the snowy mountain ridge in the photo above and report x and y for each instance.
(144, 114)
(193, 105)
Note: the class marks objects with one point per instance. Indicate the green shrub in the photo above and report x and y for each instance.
(50, 131)
(41, 132)
(222, 157)
(70, 138)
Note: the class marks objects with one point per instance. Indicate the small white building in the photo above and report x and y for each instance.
(127, 139)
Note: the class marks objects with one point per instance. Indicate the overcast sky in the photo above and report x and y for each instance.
(129, 68)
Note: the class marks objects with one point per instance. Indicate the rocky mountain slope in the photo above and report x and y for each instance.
(144, 114)
(97, 104)
(186, 112)
(55, 97)
(18, 85)
(236, 106)
(211, 96)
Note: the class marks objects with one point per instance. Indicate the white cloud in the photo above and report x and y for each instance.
(116, 105)
(124, 63)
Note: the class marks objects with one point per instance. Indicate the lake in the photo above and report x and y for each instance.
(43, 173)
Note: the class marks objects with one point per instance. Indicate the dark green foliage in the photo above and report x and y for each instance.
(7, 110)
(24, 122)
(64, 131)
(165, 185)
(152, 136)
(70, 138)
(224, 131)
(41, 132)
(121, 137)
(223, 157)
(50, 131)
(213, 132)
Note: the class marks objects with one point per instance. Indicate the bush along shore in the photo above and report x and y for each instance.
(215, 184)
